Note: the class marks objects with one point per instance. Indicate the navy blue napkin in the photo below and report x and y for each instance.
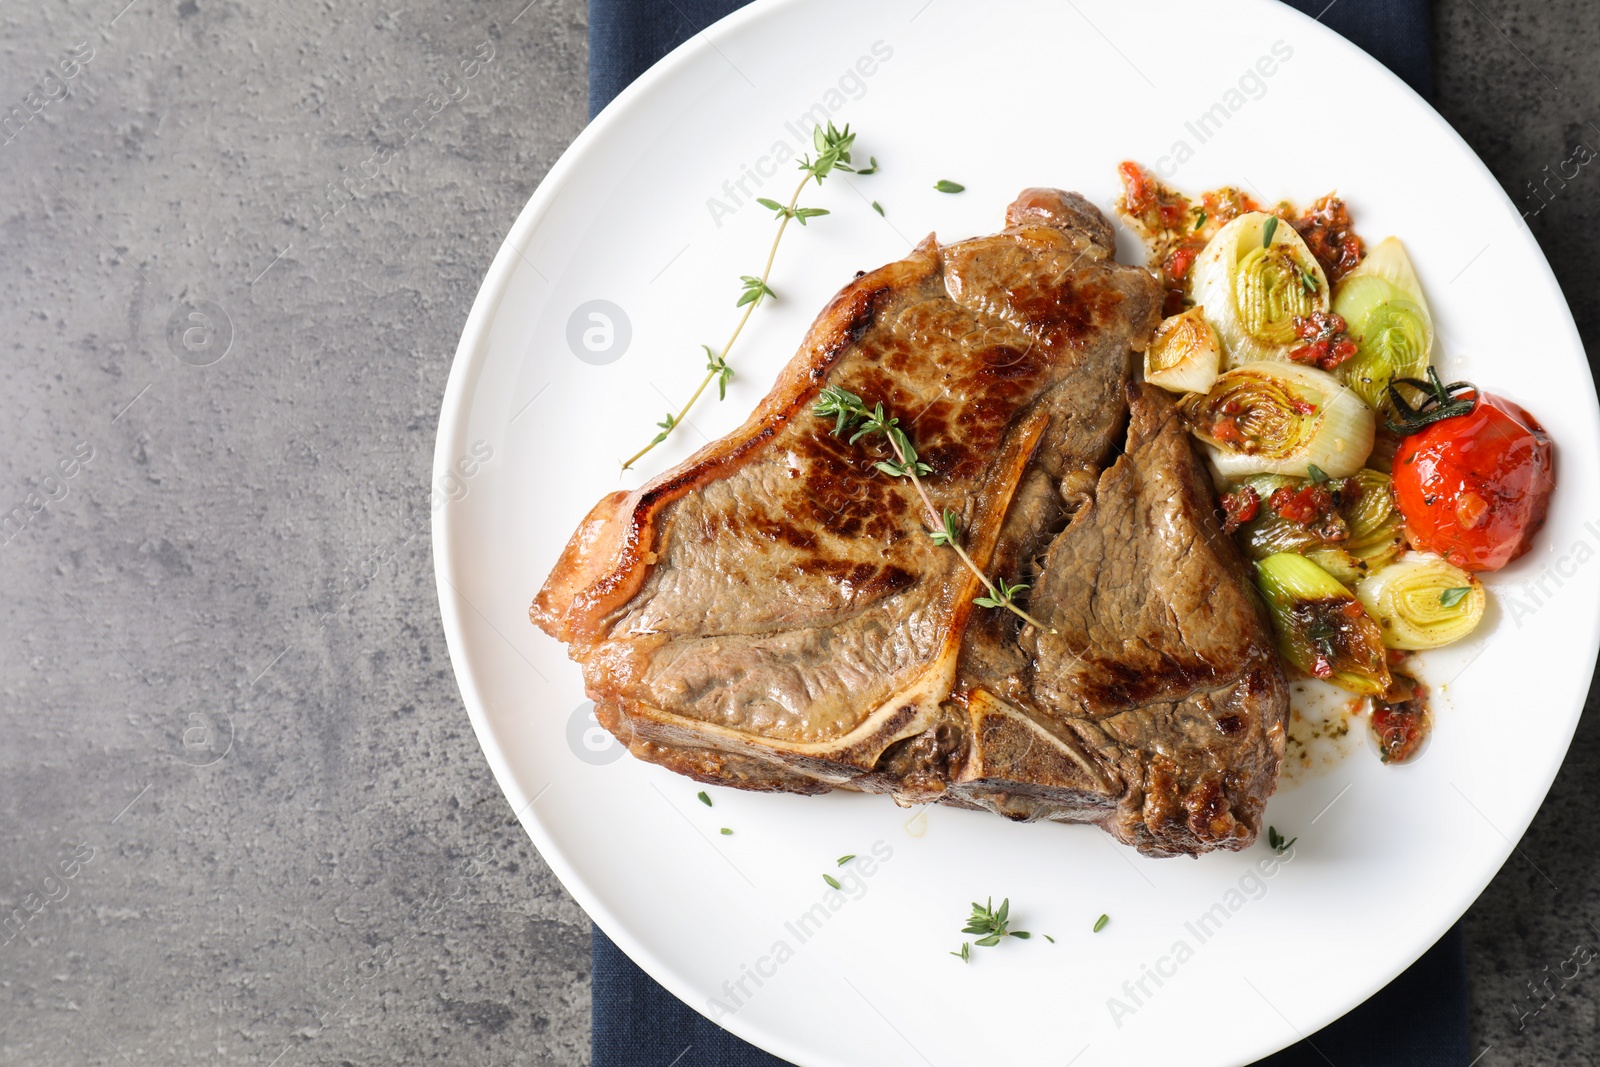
(1418, 1020)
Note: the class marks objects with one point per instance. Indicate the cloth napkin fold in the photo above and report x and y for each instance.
(1418, 1020)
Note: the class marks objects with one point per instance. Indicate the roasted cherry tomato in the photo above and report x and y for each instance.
(1474, 488)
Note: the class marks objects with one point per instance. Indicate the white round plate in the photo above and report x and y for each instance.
(1211, 962)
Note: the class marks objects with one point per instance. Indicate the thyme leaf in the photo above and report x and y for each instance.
(945, 186)
(753, 289)
(1002, 596)
(993, 924)
(717, 364)
(950, 533)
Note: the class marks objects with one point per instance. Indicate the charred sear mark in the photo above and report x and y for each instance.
(779, 530)
(1207, 805)
(1230, 725)
(841, 493)
(857, 581)
(1121, 685)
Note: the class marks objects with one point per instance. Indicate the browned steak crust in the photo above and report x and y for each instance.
(772, 615)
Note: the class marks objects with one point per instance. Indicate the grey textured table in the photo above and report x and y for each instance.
(242, 812)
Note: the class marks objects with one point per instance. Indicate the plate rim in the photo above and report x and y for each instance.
(471, 352)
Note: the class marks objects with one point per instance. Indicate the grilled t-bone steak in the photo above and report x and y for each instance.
(773, 615)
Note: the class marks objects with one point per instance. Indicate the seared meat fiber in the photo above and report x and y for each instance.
(773, 615)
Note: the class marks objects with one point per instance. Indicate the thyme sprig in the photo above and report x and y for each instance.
(994, 924)
(1439, 401)
(851, 415)
(833, 153)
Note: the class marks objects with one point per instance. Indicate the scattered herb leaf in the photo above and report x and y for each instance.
(1276, 842)
(1267, 230)
(877, 207)
(966, 951)
(726, 832)
(1317, 474)
(842, 860)
(1100, 923)
(1451, 597)
(704, 799)
(945, 186)
(1200, 220)
(1048, 938)
(871, 167)
(831, 880)
(994, 924)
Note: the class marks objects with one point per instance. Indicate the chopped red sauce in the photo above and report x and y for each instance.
(1325, 228)
(1224, 205)
(1400, 720)
(1305, 505)
(1170, 227)
(1327, 338)
(1239, 507)
(1155, 205)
